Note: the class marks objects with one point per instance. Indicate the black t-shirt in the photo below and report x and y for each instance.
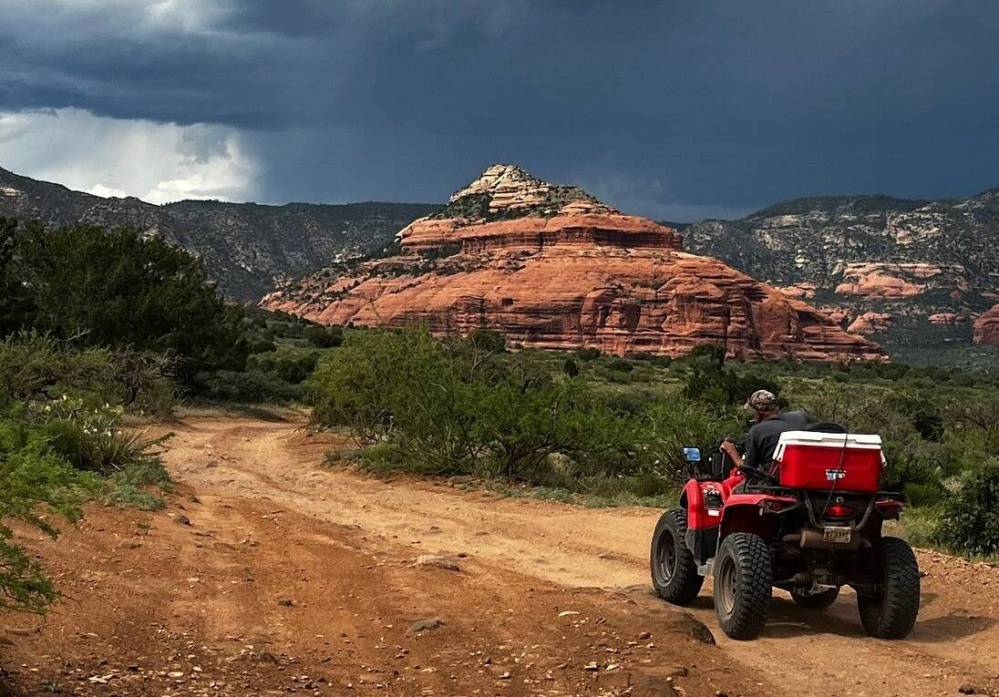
(763, 437)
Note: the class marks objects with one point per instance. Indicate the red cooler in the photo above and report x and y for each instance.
(842, 461)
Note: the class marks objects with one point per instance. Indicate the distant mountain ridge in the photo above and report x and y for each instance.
(913, 273)
(248, 248)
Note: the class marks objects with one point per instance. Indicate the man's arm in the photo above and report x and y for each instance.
(728, 447)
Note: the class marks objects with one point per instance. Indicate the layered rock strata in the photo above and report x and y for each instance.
(986, 327)
(552, 267)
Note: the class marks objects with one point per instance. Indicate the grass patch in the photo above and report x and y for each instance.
(136, 486)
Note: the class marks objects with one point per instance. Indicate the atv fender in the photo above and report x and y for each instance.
(755, 513)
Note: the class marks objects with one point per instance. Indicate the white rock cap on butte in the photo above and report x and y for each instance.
(509, 187)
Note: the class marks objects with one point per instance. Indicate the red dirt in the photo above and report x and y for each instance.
(294, 577)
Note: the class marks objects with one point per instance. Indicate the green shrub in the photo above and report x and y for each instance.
(148, 295)
(246, 386)
(290, 367)
(30, 475)
(921, 494)
(37, 367)
(970, 520)
(711, 381)
(588, 354)
(621, 365)
(323, 337)
(570, 368)
(445, 407)
(92, 438)
(134, 485)
(670, 426)
(487, 340)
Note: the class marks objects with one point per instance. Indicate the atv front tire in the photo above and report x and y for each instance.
(890, 613)
(674, 572)
(742, 581)
(814, 601)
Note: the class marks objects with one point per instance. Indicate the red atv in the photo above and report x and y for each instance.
(809, 525)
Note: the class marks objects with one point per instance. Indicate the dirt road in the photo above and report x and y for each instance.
(263, 481)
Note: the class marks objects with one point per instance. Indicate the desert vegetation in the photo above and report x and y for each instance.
(63, 442)
(609, 429)
(99, 328)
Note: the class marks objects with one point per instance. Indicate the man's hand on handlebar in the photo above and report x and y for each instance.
(729, 448)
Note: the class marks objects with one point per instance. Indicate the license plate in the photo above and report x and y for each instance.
(836, 533)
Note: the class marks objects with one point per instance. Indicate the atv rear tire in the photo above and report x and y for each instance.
(891, 612)
(814, 601)
(742, 580)
(674, 572)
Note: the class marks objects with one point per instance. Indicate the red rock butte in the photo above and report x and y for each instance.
(551, 267)
(986, 328)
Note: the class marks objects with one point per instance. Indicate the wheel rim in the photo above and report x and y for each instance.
(725, 580)
(665, 557)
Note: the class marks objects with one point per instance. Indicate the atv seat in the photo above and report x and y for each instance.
(826, 427)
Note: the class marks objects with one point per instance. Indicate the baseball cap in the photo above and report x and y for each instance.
(762, 400)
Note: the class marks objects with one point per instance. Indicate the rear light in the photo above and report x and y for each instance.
(839, 510)
(889, 508)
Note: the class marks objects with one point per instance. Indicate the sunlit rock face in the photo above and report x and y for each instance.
(552, 267)
(986, 327)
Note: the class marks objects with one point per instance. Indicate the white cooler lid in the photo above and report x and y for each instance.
(827, 440)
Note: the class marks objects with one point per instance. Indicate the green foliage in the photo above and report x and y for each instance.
(91, 438)
(970, 520)
(710, 381)
(38, 367)
(15, 299)
(34, 366)
(30, 475)
(323, 337)
(61, 442)
(121, 288)
(245, 386)
(570, 367)
(43, 458)
(587, 354)
(672, 426)
(290, 366)
(460, 407)
(488, 340)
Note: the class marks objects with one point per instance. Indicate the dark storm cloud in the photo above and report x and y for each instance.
(668, 108)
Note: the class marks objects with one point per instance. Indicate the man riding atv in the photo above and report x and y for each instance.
(802, 511)
(761, 442)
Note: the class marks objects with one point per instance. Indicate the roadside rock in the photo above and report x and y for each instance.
(437, 561)
(426, 625)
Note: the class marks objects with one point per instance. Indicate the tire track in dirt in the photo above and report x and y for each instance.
(956, 640)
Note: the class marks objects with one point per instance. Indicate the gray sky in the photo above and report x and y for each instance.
(678, 110)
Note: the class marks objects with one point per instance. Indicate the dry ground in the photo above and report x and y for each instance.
(270, 573)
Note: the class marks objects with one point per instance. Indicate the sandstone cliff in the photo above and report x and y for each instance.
(915, 264)
(552, 267)
(986, 328)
